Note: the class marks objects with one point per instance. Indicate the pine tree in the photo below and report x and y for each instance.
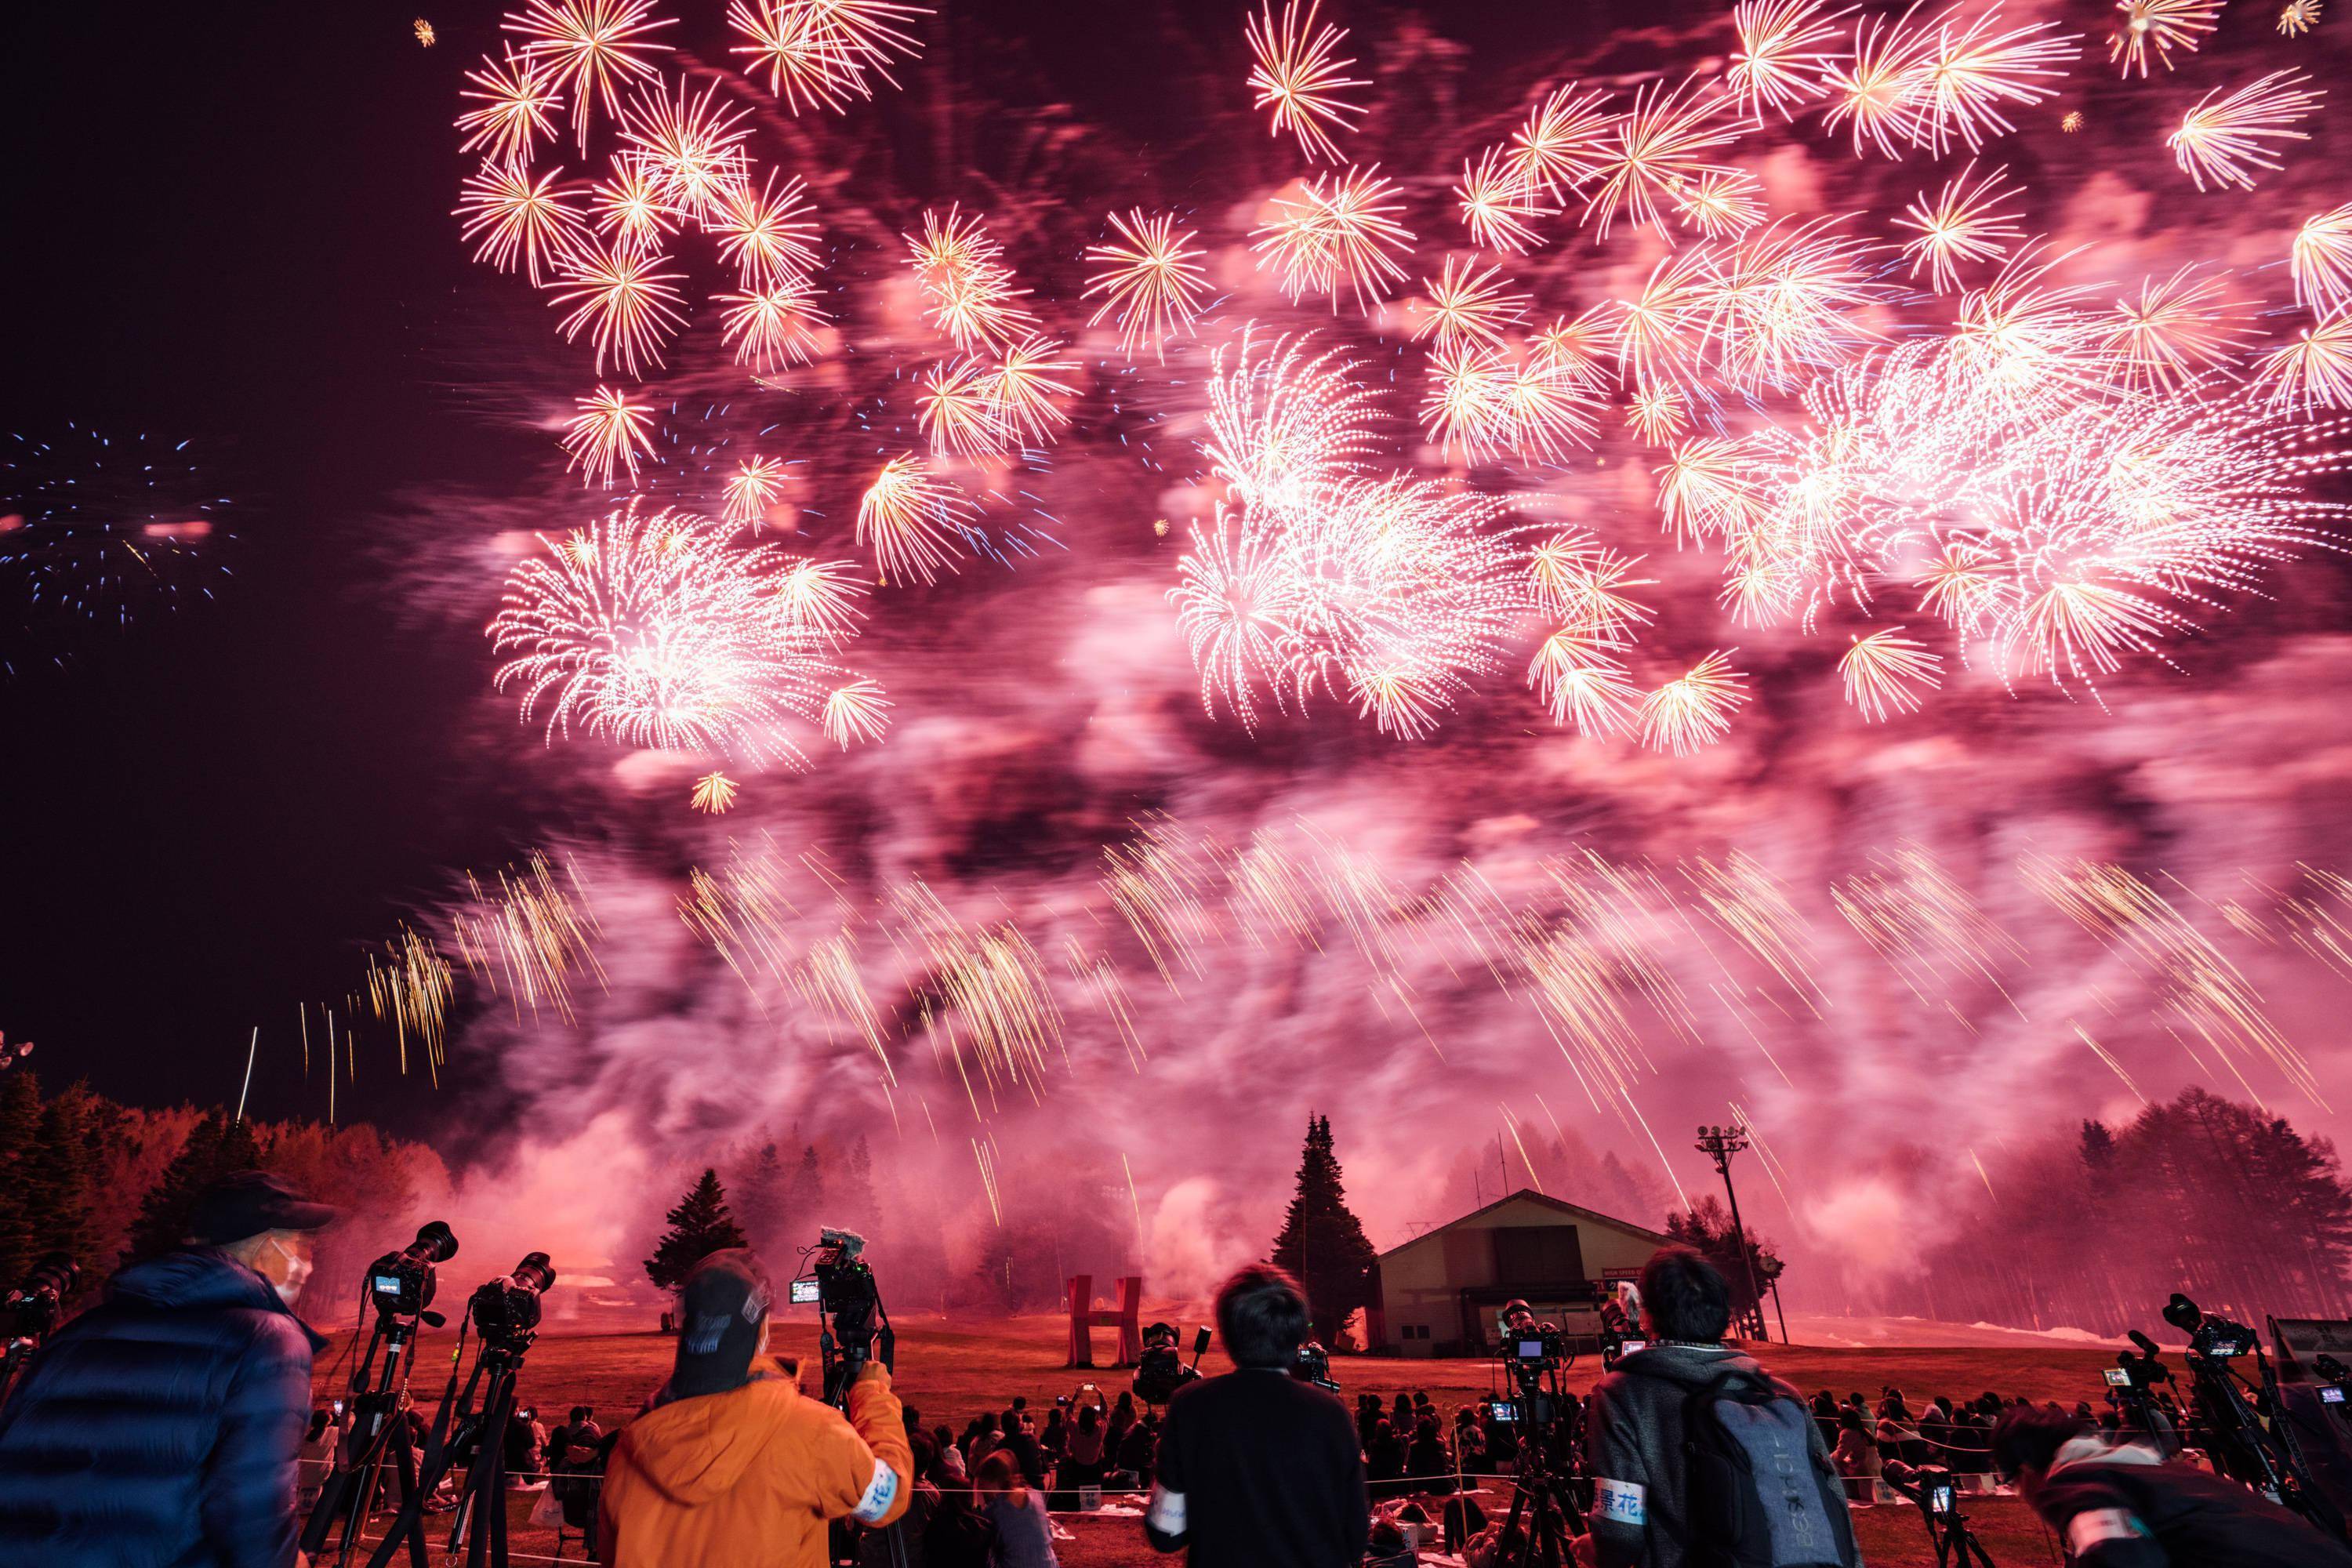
(1322, 1244)
(57, 1179)
(1707, 1228)
(808, 1199)
(20, 1136)
(698, 1227)
(760, 1198)
(163, 1217)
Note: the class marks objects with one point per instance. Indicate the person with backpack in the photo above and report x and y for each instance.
(1698, 1456)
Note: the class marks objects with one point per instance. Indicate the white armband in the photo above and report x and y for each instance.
(880, 1493)
(1167, 1512)
(2094, 1528)
(1620, 1502)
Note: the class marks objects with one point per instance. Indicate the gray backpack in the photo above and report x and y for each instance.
(1756, 1497)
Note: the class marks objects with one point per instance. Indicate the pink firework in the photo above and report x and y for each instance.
(593, 47)
(609, 431)
(1565, 143)
(1344, 234)
(1972, 71)
(773, 328)
(1469, 303)
(2225, 139)
(690, 150)
(910, 518)
(1653, 151)
(519, 218)
(631, 212)
(751, 490)
(516, 96)
(767, 234)
(820, 51)
(625, 300)
(1881, 86)
(2321, 260)
(2179, 329)
(1693, 711)
(648, 629)
(955, 413)
(1150, 280)
(1301, 74)
(2314, 370)
(1962, 225)
(1497, 203)
(2161, 27)
(1026, 391)
(1784, 52)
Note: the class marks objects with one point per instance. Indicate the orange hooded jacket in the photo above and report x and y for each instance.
(748, 1478)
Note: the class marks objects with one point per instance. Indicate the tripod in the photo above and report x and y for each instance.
(484, 1488)
(1939, 1504)
(349, 1493)
(1539, 1483)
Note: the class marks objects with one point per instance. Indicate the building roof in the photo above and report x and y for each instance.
(1545, 1200)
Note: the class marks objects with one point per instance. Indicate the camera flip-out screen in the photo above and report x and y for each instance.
(804, 1290)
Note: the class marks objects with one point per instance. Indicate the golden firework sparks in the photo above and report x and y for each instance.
(714, 792)
(426, 37)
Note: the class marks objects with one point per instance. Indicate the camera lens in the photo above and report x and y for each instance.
(535, 1271)
(434, 1242)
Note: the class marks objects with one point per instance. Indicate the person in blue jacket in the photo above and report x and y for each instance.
(160, 1428)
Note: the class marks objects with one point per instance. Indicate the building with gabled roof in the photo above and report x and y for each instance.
(1440, 1293)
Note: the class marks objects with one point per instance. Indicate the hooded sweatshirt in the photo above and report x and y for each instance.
(748, 1478)
(161, 1426)
(1633, 1451)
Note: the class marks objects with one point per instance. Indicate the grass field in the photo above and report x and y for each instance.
(952, 1372)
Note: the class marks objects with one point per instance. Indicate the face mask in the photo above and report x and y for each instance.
(296, 1270)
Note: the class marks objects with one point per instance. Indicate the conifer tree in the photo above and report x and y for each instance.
(204, 1159)
(759, 1197)
(1322, 1244)
(699, 1226)
(20, 1136)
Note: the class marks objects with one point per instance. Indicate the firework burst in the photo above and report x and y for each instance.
(517, 216)
(2225, 138)
(517, 96)
(592, 48)
(909, 516)
(1300, 73)
(1150, 280)
(1885, 673)
(645, 628)
(608, 431)
(628, 303)
(1782, 56)
(1341, 234)
(2159, 27)
(1961, 227)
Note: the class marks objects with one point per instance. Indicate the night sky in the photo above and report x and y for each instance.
(232, 224)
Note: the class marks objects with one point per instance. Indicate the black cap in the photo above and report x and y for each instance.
(249, 1203)
(724, 1301)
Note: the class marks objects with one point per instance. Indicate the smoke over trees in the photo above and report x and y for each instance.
(2094, 1226)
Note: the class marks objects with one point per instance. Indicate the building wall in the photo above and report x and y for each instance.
(1421, 1281)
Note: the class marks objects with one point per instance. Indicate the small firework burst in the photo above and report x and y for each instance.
(2314, 370)
(909, 516)
(2298, 17)
(593, 47)
(1694, 711)
(1960, 227)
(515, 95)
(2160, 26)
(1151, 280)
(517, 216)
(1497, 204)
(609, 430)
(425, 37)
(1340, 235)
(1784, 52)
(1885, 672)
(2224, 139)
(2071, 121)
(1300, 73)
(751, 490)
(2320, 261)
(713, 793)
(856, 712)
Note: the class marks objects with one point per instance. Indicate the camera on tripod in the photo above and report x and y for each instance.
(1161, 1371)
(1313, 1365)
(31, 1310)
(2214, 1338)
(853, 1322)
(401, 1284)
(506, 1310)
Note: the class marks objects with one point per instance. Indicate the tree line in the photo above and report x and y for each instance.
(106, 1183)
(2094, 1227)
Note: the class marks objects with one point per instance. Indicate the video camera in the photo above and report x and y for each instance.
(853, 1323)
(401, 1284)
(2214, 1338)
(506, 1310)
(1313, 1365)
(31, 1310)
(1161, 1371)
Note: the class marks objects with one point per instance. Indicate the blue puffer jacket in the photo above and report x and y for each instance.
(159, 1429)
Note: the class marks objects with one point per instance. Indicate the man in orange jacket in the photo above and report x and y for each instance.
(734, 1466)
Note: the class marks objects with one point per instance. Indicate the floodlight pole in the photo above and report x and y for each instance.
(1721, 1144)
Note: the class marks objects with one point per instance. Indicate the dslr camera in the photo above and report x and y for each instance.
(31, 1310)
(401, 1284)
(1161, 1371)
(506, 1310)
(2212, 1337)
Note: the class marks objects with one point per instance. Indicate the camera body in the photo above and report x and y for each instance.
(506, 1310)
(853, 1321)
(401, 1284)
(1313, 1365)
(2212, 1338)
(1161, 1371)
(31, 1310)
